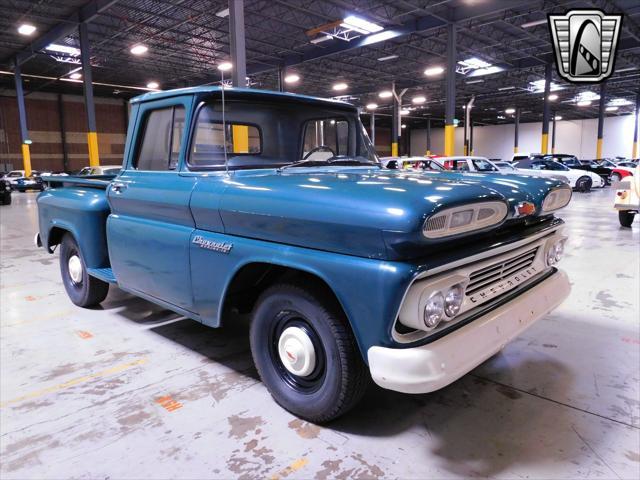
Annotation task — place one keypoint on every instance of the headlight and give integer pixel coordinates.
(559, 250)
(556, 199)
(434, 310)
(555, 251)
(551, 255)
(453, 301)
(466, 218)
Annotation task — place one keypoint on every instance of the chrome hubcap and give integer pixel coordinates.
(75, 269)
(296, 352)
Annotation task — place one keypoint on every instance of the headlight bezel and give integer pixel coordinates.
(554, 199)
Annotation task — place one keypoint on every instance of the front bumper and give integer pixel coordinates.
(433, 366)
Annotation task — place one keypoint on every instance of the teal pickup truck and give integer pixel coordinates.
(276, 205)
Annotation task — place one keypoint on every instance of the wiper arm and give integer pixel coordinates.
(301, 162)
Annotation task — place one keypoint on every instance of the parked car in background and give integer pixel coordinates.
(522, 156)
(22, 183)
(580, 180)
(622, 170)
(628, 198)
(506, 167)
(5, 192)
(469, 164)
(411, 163)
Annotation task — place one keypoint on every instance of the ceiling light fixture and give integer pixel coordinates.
(506, 88)
(388, 57)
(75, 76)
(152, 85)
(54, 47)
(584, 103)
(386, 94)
(419, 99)
(26, 29)
(340, 86)
(225, 66)
(372, 106)
(557, 117)
(553, 97)
(223, 13)
(320, 39)
(474, 63)
(403, 126)
(292, 78)
(619, 102)
(510, 111)
(404, 111)
(611, 108)
(535, 23)
(361, 25)
(139, 49)
(432, 71)
(538, 86)
(471, 82)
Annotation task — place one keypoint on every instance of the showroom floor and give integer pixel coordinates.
(134, 391)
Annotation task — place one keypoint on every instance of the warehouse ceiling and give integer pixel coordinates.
(187, 39)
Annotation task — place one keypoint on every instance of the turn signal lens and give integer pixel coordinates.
(434, 310)
(453, 301)
(459, 219)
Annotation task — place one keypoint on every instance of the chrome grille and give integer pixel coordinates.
(436, 223)
(499, 271)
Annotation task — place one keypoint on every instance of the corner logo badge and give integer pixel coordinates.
(585, 44)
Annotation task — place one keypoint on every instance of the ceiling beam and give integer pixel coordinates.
(84, 14)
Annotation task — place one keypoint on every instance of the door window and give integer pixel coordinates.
(325, 138)
(159, 148)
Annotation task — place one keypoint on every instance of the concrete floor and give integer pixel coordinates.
(133, 391)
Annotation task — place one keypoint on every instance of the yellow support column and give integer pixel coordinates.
(515, 149)
(599, 148)
(92, 141)
(544, 147)
(428, 153)
(449, 140)
(26, 160)
(394, 149)
(634, 150)
(240, 134)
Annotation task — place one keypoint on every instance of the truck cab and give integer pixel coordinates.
(276, 205)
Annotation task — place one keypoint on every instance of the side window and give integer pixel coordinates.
(159, 148)
(460, 165)
(207, 148)
(325, 138)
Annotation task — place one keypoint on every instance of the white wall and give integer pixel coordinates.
(574, 136)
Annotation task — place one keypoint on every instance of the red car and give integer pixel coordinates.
(622, 169)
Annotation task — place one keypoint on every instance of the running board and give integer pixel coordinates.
(104, 274)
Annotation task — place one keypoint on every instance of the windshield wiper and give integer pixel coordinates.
(302, 162)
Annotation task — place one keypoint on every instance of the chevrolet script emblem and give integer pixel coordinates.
(585, 43)
(222, 247)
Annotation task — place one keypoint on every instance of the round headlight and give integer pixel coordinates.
(453, 301)
(559, 250)
(434, 310)
(551, 255)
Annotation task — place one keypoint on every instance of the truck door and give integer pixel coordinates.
(150, 225)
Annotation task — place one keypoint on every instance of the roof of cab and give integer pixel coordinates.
(235, 92)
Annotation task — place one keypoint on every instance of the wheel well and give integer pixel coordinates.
(254, 278)
(55, 236)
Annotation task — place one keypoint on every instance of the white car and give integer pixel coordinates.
(19, 181)
(468, 163)
(100, 170)
(581, 180)
(411, 163)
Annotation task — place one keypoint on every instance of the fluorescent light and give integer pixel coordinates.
(292, 78)
(152, 85)
(619, 102)
(321, 39)
(223, 13)
(386, 94)
(470, 82)
(486, 71)
(388, 57)
(225, 66)
(340, 86)
(419, 99)
(360, 24)
(26, 29)
(538, 86)
(75, 76)
(139, 49)
(553, 97)
(432, 71)
(506, 88)
(474, 63)
(611, 108)
(587, 96)
(510, 111)
(54, 47)
(557, 117)
(626, 69)
(534, 23)
(372, 106)
(584, 103)
(404, 111)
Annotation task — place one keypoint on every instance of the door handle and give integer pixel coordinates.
(118, 187)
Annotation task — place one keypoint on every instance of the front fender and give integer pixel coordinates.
(82, 212)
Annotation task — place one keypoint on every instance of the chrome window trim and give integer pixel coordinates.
(500, 211)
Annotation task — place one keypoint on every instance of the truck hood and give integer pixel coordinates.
(361, 211)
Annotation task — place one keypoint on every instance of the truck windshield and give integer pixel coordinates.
(278, 134)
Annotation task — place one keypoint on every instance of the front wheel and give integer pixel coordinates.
(83, 289)
(583, 184)
(306, 354)
(626, 218)
(615, 177)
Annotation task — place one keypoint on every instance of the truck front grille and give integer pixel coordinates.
(484, 277)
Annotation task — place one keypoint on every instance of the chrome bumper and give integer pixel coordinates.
(433, 366)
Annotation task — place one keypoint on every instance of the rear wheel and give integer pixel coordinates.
(306, 354)
(83, 289)
(583, 184)
(626, 218)
(615, 177)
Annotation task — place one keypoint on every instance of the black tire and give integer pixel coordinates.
(583, 184)
(626, 218)
(22, 190)
(6, 200)
(615, 177)
(339, 378)
(89, 291)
